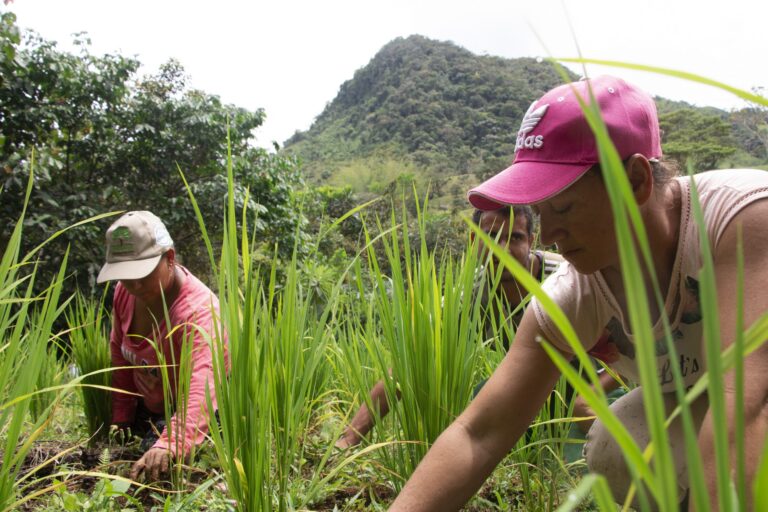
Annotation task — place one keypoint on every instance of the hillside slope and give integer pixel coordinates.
(440, 115)
(430, 103)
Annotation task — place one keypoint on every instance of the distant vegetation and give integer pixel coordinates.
(430, 102)
(423, 114)
(105, 139)
(448, 118)
(428, 109)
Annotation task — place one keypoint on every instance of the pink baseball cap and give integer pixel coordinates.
(555, 145)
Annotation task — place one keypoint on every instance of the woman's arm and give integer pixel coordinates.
(755, 246)
(468, 451)
(189, 426)
(123, 405)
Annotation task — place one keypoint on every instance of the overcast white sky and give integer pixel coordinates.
(290, 56)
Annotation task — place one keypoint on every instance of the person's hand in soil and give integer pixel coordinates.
(582, 410)
(154, 463)
(347, 441)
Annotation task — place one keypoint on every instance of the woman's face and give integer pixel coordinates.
(151, 288)
(516, 240)
(579, 221)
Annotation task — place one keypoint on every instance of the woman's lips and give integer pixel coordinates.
(569, 253)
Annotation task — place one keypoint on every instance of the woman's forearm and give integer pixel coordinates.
(453, 470)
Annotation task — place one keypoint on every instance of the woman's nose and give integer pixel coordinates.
(551, 230)
(131, 284)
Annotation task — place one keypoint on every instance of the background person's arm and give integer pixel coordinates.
(755, 246)
(467, 452)
(363, 421)
(188, 427)
(582, 410)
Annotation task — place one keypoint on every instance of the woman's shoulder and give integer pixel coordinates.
(579, 297)
(724, 193)
(194, 295)
(734, 180)
(564, 281)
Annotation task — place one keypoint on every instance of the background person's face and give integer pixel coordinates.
(148, 288)
(513, 236)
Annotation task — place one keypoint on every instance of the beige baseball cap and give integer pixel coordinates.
(135, 244)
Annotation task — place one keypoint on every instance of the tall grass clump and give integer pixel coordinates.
(424, 329)
(53, 373)
(23, 352)
(268, 356)
(90, 352)
(652, 468)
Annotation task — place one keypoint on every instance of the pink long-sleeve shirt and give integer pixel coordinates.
(192, 310)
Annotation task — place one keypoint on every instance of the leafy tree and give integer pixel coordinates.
(751, 127)
(62, 105)
(106, 140)
(695, 138)
(323, 206)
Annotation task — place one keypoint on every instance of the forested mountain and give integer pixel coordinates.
(437, 112)
(432, 103)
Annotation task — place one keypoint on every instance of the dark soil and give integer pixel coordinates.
(60, 457)
(339, 499)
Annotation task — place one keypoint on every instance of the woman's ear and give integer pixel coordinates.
(640, 176)
(170, 256)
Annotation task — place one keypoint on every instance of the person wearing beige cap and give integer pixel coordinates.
(142, 258)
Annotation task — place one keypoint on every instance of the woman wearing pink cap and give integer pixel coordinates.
(141, 257)
(556, 170)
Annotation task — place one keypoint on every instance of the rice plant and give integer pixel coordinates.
(268, 356)
(89, 344)
(53, 373)
(22, 355)
(424, 325)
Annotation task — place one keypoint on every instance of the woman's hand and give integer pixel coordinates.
(582, 410)
(155, 462)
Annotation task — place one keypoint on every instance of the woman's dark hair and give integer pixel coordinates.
(517, 210)
(663, 170)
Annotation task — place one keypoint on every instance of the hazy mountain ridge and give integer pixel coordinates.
(433, 103)
(445, 113)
